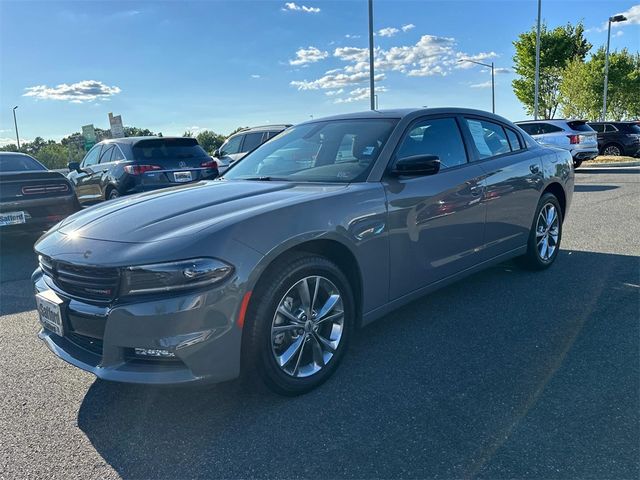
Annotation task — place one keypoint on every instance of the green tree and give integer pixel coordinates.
(583, 83)
(53, 155)
(188, 134)
(237, 130)
(138, 132)
(557, 48)
(210, 140)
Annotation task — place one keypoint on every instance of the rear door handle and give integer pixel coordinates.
(534, 168)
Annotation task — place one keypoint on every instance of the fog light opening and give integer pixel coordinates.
(154, 352)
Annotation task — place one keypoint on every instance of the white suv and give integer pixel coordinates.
(573, 135)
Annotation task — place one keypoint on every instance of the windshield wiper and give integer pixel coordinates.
(265, 179)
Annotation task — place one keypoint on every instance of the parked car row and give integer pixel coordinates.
(270, 269)
(586, 140)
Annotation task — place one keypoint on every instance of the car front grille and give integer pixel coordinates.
(85, 282)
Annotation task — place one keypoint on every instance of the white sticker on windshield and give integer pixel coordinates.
(368, 150)
(477, 132)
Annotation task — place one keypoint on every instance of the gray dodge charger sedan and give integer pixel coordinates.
(270, 270)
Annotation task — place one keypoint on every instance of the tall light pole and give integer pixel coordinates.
(371, 82)
(493, 80)
(537, 80)
(15, 122)
(614, 19)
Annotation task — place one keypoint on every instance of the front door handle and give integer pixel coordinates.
(534, 168)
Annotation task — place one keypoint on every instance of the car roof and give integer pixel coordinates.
(133, 140)
(551, 120)
(613, 122)
(409, 112)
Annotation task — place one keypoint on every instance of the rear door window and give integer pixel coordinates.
(489, 138)
(598, 127)
(610, 128)
(116, 154)
(251, 141)
(105, 156)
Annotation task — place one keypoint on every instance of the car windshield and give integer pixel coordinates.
(340, 151)
(19, 163)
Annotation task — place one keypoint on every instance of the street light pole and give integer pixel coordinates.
(15, 122)
(537, 80)
(371, 82)
(616, 18)
(493, 79)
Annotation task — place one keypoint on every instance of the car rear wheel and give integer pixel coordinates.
(612, 150)
(545, 234)
(113, 194)
(299, 324)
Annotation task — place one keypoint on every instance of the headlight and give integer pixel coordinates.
(167, 277)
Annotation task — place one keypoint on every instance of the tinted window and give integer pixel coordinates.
(92, 157)
(530, 128)
(19, 163)
(251, 141)
(548, 128)
(579, 126)
(116, 154)
(105, 156)
(598, 127)
(629, 128)
(489, 138)
(610, 128)
(231, 146)
(440, 137)
(315, 152)
(159, 150)
(272, 134)
(514, 141)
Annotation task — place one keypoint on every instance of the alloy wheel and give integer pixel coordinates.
(307, 326)
(612, 151)
(547, 231)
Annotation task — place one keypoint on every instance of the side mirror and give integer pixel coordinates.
(417, 165)
(74, 166)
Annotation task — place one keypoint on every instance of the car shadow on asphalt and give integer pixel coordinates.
(17, 263)
(594, 188)
(508, 373)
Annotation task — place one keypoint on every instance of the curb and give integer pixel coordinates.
(614, 164)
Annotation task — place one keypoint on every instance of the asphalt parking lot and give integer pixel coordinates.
(507, 374)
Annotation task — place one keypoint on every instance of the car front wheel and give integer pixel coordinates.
(545, 234)
(299, 324)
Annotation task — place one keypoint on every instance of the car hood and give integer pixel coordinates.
(185, 210)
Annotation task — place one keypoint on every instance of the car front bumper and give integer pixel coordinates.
(198, 328)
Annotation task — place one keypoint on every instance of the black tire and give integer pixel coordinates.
(612, 150)
(576, 163)
(259, 362)
(533, 260)
(113, 193)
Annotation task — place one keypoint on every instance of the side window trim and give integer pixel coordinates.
(95, 147)
(105, 151)
(412, 125)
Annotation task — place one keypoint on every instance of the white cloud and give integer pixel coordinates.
(429, 56)
(478, 57)
(334, 81)
(348, 35)
(486, 84)
(357, 94)
(255, 75)
(333, 93)
(308, 55)
(500, 70)
(407, 27)
(293, 7)
(388, 32)
(619, 33)
(84, 91)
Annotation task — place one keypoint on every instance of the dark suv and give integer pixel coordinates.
(136, 164)
(618, 138)
(239, 144)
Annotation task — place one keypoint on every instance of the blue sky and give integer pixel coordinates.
(176, 66)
